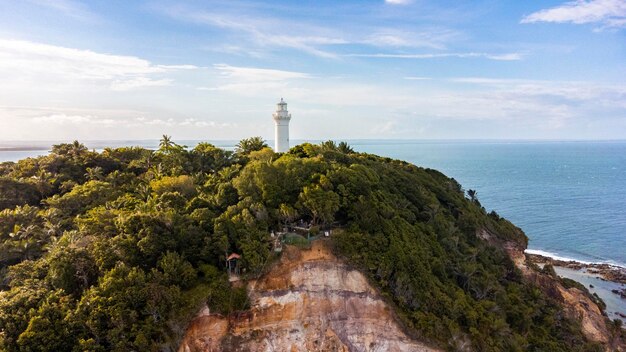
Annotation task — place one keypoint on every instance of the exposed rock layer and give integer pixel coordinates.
(576, 304)
(310, 301)
(606, 271)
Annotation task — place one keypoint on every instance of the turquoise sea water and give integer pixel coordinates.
(569, 197)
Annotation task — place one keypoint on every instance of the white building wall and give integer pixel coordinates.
(281, 136)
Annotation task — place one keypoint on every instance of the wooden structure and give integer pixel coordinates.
(232, 264)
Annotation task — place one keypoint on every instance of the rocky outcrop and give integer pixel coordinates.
(606, 271)
(576, 303)
(309, 301)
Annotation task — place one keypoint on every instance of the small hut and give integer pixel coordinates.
(232, 263)
(278, 244)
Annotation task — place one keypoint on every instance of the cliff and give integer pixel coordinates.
(575, 303)
(309, 301)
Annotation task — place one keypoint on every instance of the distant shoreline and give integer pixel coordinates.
(561, 259)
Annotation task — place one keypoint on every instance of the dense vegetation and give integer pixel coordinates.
(114, 251)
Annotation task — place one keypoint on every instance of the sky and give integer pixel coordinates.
(351, 69)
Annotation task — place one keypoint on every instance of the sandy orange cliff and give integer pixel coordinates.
(309, 301)
(312, 301)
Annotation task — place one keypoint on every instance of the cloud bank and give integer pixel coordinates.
(608, 13)
(26, 59)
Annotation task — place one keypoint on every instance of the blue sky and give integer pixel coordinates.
(348, 69)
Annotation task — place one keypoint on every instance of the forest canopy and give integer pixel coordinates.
(117, 250)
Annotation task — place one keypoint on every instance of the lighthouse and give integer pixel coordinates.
(281, 119)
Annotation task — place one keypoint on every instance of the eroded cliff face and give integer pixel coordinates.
(309, 301)
(575, 302)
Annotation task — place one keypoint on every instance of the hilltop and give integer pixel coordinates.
(119, 250)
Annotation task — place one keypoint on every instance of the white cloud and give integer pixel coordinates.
(258, 74)
(112, 119)
(488, 81)
(251, 81)
(54, 64)
(609, 13)
(266, 31)
(63, 119)
(307, 44)
(258, 34)
(490, 99)
(497, 57)
(139, 82)
(398, 2)
(505, 57)
(203, 123)
(568, 90)
(385, 39)
(387, 127)
(434, 38)
(36, 57)
(413, 103)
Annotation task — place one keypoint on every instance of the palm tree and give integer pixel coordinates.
(345, 148)
(472, 194)
(329, 145)
(116, 178)
(247, 145)
(77, 149)
(143, 191)
(166, 143)
(157, 170)
(148, 159)
(53, 229)
(94, 173)
(30, 241)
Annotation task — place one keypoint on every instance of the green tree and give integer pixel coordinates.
(14, 193)
(123, 260)
(166, 144)
(48, 330)
(95, 173)
(345, 148)
(28, 242)
(287, 213)
(248, 145)
(176, 270)
(182, 184)
(71, 270)
(74, 150)
(472, 194)
(320, 203)
(209, 158)
(329, 145)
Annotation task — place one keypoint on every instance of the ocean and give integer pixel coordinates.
(568, 197)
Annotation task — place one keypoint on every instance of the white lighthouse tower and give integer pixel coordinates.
(281, 118)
